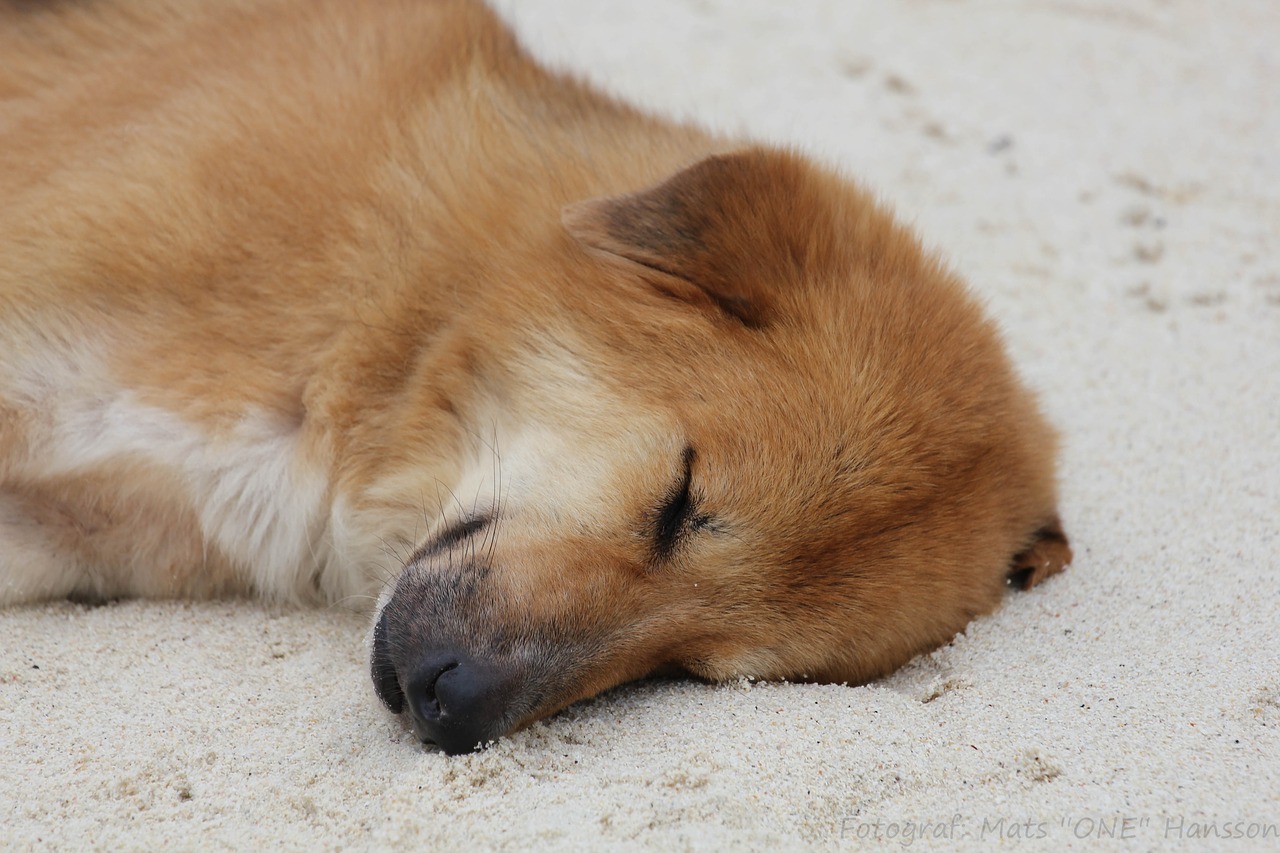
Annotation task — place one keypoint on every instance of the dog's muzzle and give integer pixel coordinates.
(455, 701)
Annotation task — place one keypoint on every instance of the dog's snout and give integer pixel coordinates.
(456, 702)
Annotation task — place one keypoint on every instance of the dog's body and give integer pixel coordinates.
(315, 299)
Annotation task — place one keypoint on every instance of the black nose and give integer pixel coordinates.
(456, 701)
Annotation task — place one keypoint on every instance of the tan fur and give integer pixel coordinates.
(291, 288)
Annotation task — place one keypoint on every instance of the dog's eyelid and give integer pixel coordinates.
(452, 535)
(677, 512)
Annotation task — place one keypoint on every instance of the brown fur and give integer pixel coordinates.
(284, 284)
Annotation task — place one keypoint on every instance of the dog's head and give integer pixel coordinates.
(746, 427)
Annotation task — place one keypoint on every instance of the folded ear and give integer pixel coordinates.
(1046, 555)
(729, 230)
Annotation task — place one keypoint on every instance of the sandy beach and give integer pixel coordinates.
(1107, 178)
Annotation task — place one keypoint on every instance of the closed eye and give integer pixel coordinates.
(455, 534)
(677, 513)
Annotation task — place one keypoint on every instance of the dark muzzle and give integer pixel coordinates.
(455, 701)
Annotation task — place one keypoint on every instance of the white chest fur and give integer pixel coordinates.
(110, 495)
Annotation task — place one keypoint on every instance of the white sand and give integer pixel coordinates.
(1108, 176)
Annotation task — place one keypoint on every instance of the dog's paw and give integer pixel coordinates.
(1048, 554)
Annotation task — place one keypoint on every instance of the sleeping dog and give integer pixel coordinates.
(289, 286)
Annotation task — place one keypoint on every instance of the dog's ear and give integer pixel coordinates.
(1047, 554)
(727, 232)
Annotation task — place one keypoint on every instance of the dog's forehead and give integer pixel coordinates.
(590, 438)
